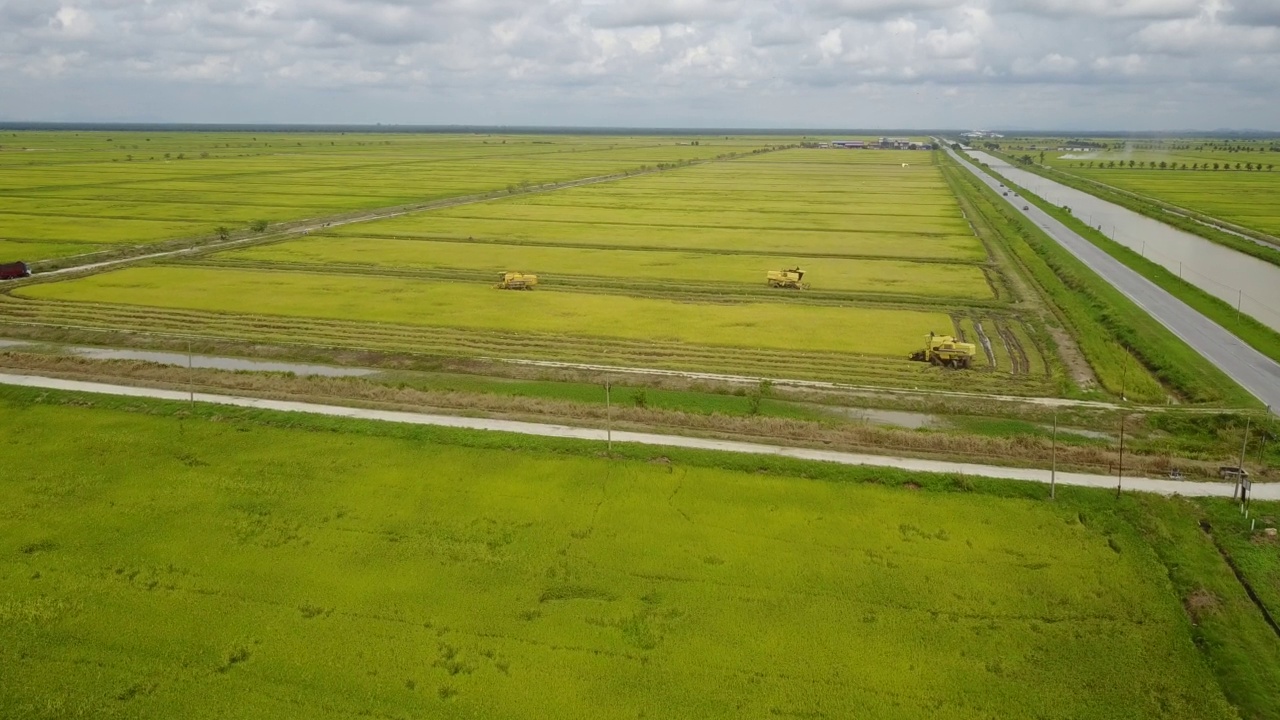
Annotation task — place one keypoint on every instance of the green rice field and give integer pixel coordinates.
(664, 270)
(259, 571)
(64, 194)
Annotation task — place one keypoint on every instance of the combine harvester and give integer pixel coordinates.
(14, 271)
(946, 351)
(790, 279)
(517, 281)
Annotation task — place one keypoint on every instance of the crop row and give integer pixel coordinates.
(764, 362)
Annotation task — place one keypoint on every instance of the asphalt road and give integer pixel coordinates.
(1255, 372)
(1151, 485)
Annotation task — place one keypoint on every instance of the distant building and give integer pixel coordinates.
(849, 144)
(895, 143)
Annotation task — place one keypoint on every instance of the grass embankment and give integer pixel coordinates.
(1108, 326)
(1258, 335)
(281, 564)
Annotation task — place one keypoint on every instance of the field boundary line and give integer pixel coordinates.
(1131, 484)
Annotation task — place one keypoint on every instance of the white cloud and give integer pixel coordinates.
(626, 62)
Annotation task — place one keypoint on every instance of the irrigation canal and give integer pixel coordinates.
(1255, 372)
(1238, 279)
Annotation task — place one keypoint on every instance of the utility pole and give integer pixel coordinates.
(1240, 467)
(191, 393)
(1053, 469)
(1239, 302)
(608, 405)
(1120, 474)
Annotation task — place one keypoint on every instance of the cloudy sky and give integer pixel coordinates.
(1037, 64)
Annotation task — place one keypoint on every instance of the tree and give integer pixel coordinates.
(1132, 163)
(223, 232)
(1237, 166)
(1163, 165)
(1215, 166)
(1269, 167)
(1041, 157)
(1248, 166)
(258, 226)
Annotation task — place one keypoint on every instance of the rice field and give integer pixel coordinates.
(65, 194)
(662, 270)
(871, 331)
(567, 265)
(264, 572)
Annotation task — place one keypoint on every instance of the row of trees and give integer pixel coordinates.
(1165, 165)
(224, 233)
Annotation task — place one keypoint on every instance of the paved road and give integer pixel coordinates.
(1234, 277)
(1255, 372)
(1162, 487)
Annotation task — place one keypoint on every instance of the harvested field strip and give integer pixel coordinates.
(1016, 357)
(456, 305)
(999, 348)
(983, 359)
(384, 337)
(1035, 363)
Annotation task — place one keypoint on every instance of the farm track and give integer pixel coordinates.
(1131, 484)
(436, 341)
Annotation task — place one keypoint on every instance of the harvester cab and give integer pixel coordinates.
(946, 351)
(787, 279)
(517, 281)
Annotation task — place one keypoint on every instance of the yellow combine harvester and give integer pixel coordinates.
(946, 351)
(786, 279)
(517, 281)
